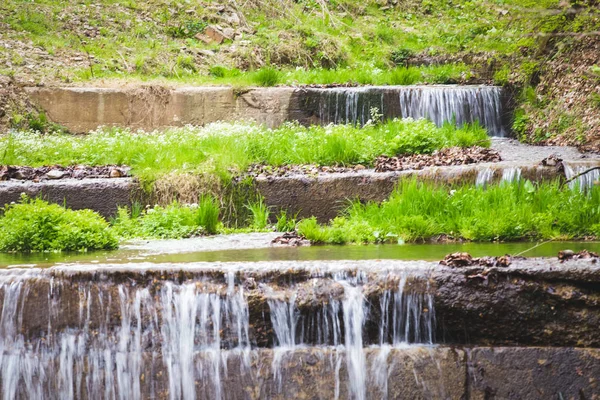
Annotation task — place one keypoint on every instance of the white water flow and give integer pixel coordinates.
(511, 175)
(198, 338)
(484, 177)
(439, 103)
(584, 181)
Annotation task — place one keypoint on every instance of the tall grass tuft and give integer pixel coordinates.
(259, 214)
(207, 214)
(267, 76)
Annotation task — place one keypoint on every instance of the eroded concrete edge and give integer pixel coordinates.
(322, 196)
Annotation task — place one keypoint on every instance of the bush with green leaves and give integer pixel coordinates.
(36, 225)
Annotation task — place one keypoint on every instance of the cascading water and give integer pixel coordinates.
(201, 336)
(511, 175)
(585, 180)
(484, 177)
(440, 104)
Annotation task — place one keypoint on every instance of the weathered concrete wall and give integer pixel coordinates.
(538, 302)
(322, 196)
(83, 109)
(103, 195)
(325, 195)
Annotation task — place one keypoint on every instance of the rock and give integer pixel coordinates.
(233, 19)
(203, 38)
(206, 53)
(552, 160)
(291, 239)
(359, 167)
(55, 174)
(228, 33)
(444, 157)
(216, 35)
(565, 255)
(115, 173)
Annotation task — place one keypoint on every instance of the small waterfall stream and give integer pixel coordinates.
(203, 337)
(583, 181)
(438, 103)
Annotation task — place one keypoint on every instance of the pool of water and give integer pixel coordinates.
(427, 252)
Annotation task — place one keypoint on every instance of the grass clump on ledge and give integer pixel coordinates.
(36, 225)
(420, 211)
(225, 149)
(174, 221)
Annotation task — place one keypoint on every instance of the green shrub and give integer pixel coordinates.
(401, 56)
(36, 225)
(267, 76)
(218, 71)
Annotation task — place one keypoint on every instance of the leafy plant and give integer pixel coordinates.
(401, 56)
(36, 225)
(286, 223)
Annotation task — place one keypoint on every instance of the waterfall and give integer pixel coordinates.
(584, 181)
(201, 337)
(440, 104)
(510, 175)
(484, 177)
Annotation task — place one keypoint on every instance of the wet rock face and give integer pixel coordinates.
(524, 304)
(533, 373)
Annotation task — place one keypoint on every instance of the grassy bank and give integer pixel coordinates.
(420, 212)
(224, 150)
(414, 212)
(165, 39)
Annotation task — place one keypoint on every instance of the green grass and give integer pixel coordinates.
(159, 38)
(267, 77)
(414, 212)
(224, 149)
(259, 214)
(174, 221)
(419, 212)
(35, 225)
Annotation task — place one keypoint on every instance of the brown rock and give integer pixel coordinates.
(215, 34)
(203, 38)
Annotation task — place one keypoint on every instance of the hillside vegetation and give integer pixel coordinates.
(545, 51)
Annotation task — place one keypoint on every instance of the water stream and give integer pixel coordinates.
(201, 337)
(438, 103)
